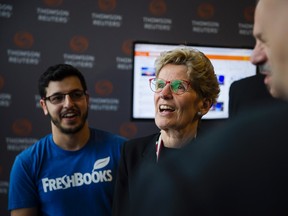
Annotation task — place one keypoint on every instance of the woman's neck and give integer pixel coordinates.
(176, 139)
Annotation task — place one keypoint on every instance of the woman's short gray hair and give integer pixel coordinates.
(199, 69)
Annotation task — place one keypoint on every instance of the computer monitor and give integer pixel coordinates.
(230, 64)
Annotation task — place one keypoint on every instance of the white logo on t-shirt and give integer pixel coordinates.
(78, 179)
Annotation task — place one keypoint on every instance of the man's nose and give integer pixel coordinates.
(68, 101)
(258, 55)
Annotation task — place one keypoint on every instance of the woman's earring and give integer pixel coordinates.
(199, 113)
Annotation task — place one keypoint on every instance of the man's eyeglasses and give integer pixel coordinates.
(60, 98)
(176, 86)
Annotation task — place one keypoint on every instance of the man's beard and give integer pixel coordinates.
(74, 130)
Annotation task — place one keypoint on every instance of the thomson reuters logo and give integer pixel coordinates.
(1, 82)
(128, 129)
(249, 13)
(157, 7)
(22, 127)
(127, 47)
(107, 5)
(53, 3)
(80, 179)
(23, 39)
(205, 11)
(103, 87)
(79, 44)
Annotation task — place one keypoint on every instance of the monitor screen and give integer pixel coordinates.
(230, 64)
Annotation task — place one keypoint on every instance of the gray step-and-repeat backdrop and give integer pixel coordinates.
(96, 36)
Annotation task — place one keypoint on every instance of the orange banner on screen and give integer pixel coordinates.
(217, 57)
(143, 53)
(226, 57)
(138, 53)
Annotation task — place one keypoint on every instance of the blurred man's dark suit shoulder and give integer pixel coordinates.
(238, 169)
(248, 93)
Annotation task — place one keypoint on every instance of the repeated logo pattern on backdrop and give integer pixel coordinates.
(96, 36)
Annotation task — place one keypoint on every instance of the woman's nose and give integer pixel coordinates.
(166, 91)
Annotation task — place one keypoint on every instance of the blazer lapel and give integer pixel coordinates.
(149, 152)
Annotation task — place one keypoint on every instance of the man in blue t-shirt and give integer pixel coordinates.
(71, 171)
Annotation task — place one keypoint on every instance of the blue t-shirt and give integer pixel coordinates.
(61, 182)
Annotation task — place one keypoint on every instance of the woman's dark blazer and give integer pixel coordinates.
(135, 153)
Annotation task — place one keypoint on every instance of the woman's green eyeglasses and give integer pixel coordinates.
(177, 86)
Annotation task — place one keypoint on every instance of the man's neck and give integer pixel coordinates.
(71, 142)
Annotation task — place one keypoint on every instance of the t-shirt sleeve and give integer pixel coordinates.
(22, 187)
